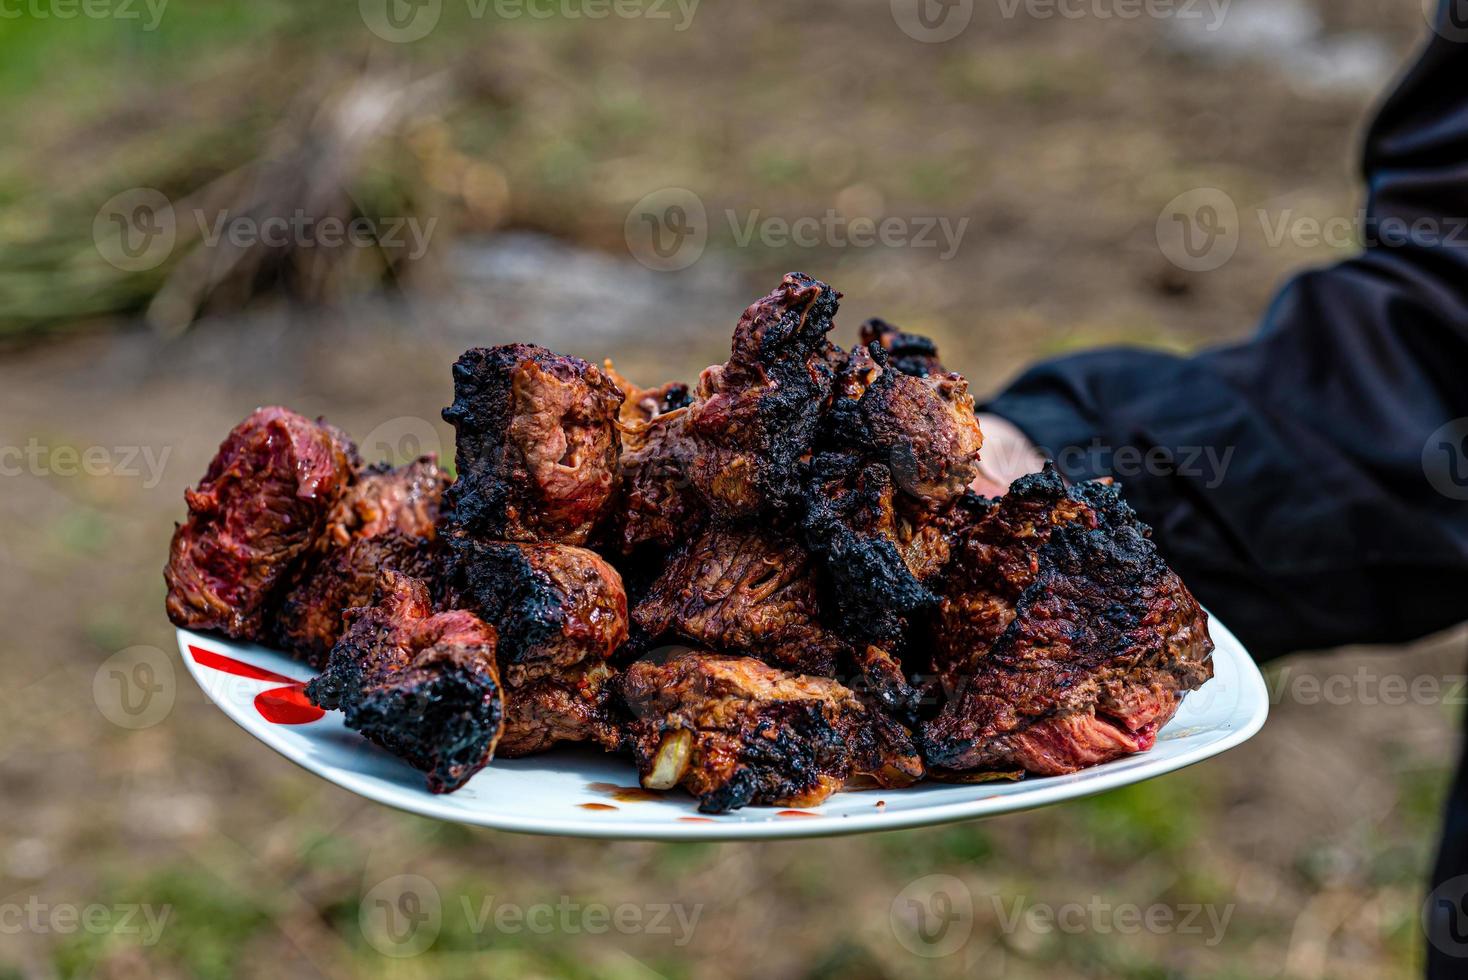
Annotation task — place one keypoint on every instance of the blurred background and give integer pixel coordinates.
(207, 206)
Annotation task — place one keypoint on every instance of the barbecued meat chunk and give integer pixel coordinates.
(383, 523)
(909, 353)
(1065, 638)
(263, 501)
(735, 731)
(645, 404)
(659, 504)
(576, 704)
(742, 589)
(423, 686)
(922, 428)
(756, 415)
(561, 613)
(537, 446)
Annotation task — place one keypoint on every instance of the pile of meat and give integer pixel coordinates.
(760, 588)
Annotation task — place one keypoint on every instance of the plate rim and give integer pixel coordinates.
(1253, 692)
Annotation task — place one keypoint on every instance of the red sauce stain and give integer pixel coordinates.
(796, 813)
(596, 806)
(698, 819)
(287, 706)
(881, 804)
(625, 794)
(237, 667)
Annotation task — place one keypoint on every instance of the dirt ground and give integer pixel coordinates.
(1062, 140)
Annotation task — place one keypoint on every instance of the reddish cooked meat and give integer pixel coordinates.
(756, 415)
(383, 523)
(575, 704)
(735, 731)
(537, 446)
(1064, 637)
(659, 505)
(561, 613)
(743, 589)
(423, 686)
(909, 353)
(263, 501)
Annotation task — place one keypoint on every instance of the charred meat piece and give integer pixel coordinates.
(561, 614)
(383, 523)
(642, 405)
(922, 428)
(909, 353)
(659, 504)
(423, 686)
(742, 589)
(1066, 639)
(574, 705)
(263, 501)
(756, 415)
(735, 731)
(537, 446)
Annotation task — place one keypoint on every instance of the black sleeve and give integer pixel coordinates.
(1310, 484)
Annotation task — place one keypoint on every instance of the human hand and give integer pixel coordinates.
(1008, 455)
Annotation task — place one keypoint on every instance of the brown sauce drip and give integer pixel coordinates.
(596, 806)
(625, 794)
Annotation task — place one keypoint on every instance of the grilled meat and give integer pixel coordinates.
(561, 613)
(423, 686)
(735, 731)
(383, 523)
(756, 415)
(909, 353)
(642, 405)
(263, 501)
(576, 704)
(1065, 638)
(659, 505)
(537, 446)
(742, 589)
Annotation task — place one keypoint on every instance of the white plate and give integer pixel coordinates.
(548, 794)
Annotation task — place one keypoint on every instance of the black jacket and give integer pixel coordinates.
(1311, 484)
